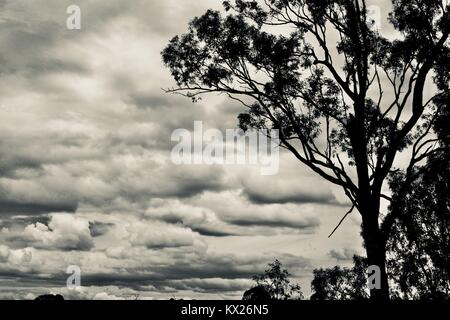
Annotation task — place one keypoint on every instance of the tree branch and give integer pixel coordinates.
(342, 220)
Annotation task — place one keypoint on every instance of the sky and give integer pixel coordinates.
(86, 177)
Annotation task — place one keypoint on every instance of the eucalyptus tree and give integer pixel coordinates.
(345, 99)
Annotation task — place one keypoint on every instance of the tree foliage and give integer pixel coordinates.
(341, 283)
(419, 248)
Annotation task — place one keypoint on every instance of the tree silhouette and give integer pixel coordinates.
(345, 100)
(419, 249)
(50, 297)
(341, 283)
(273, 284)
(257, 293)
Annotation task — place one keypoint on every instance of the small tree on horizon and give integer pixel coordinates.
(275, 282)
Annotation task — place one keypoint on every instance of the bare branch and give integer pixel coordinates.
(342, 220)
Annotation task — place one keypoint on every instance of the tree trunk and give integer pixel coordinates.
(376, 251)
(368, 200)
(376, 256)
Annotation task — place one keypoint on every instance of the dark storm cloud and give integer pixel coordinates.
(305, 224)
(194, 186)
(209, 232)
(9, 165)
(33, 278)
(290, 197)
(33, 208)
(283, 189)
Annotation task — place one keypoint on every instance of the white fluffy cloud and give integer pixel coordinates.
(64, 232)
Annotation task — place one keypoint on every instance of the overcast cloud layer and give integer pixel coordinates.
(86, 177)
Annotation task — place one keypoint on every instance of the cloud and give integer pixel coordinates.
(207, 216)
(149, 273)
(275, 221)
(64, 232)
(106, 296)
(282, 189)
(343, 255)
(89, 143)
(98, 229)
(152, 234)
(13, 207)
(199, 219)
(148, 257)
(100, 182)
(258, 219)
(193, 271)
(211, 285)
(4, 253)
(85, 171)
